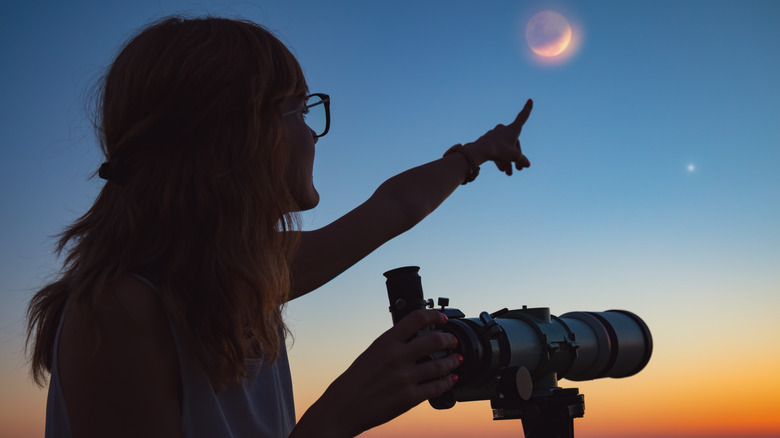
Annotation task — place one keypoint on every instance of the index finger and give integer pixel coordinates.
(416, 321)
(523, 115)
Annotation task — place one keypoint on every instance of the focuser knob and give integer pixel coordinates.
(490, 326)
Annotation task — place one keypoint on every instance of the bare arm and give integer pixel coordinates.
(396, 206)
(399, 204)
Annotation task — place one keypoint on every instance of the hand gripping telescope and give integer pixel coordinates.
(514, 358)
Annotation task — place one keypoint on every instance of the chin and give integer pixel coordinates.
(310, 201)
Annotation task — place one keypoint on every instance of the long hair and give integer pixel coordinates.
(199, 201)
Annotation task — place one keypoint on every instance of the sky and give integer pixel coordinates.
(653, 186)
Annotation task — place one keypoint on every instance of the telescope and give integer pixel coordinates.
(514, 358)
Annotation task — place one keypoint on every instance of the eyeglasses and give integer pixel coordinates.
(316, 113)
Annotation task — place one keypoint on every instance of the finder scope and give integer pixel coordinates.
(516, 357)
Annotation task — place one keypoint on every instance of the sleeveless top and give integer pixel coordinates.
(260, 406)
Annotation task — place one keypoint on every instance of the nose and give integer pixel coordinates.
(314, 135)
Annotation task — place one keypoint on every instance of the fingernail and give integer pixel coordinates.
(454, 378)
(460, 358)
(445, 318)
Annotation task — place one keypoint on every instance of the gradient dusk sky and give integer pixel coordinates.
(654, 186)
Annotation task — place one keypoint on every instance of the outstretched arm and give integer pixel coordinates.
(398, 204)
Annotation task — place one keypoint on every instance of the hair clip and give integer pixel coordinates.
(111, 171)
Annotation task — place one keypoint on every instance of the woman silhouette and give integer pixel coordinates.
(167, 317)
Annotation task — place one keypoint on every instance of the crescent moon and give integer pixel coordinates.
(548, 34)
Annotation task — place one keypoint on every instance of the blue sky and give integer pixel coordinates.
(609, 214)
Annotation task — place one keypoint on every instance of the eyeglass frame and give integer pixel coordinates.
(325, 100)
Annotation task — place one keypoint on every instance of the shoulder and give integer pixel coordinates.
(127, 317)
(118, 363)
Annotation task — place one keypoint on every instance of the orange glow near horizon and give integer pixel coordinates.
(682, 393)
(714, 384)
(718, 384)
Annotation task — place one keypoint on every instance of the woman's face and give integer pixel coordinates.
(301, 142)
